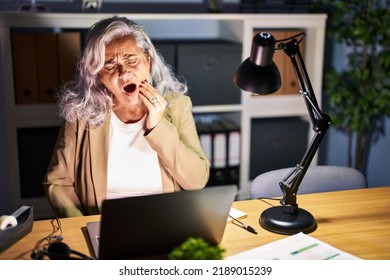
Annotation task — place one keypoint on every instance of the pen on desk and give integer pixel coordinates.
(245, 226)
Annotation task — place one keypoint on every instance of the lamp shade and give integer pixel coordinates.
(258, 73)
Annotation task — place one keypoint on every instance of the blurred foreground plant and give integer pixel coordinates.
(196, 249)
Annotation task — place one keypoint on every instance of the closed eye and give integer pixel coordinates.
(110, 68)
(131, 62)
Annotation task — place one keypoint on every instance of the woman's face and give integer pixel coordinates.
(125, 67)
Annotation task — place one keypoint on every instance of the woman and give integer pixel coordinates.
(128, 128)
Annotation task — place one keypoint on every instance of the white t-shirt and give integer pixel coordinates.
(133, 167)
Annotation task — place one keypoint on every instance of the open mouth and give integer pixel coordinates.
(130, 88)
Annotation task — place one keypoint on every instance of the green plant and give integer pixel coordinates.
(196, 249)
(359, 95)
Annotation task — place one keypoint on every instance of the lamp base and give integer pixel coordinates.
(279, 219)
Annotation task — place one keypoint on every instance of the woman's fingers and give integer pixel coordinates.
(154, 103)
(152, 95)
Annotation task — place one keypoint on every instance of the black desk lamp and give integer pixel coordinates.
(259, 74)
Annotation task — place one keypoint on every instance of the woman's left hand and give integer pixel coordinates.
(154, 103)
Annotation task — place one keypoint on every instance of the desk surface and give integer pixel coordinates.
(355, 221)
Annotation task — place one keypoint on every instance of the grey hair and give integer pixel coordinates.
(85, 97)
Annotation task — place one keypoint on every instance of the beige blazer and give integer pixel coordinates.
(75, 183)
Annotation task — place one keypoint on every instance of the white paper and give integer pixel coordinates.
(299, 246)
(237, 214)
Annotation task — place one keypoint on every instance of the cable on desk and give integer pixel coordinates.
(263, 199)
(52, 236)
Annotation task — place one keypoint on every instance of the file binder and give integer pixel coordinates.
(42, 61)
(220, 140)
(69, 46)
(219, 155)
(46, 46)
(25, 71)
(233, 150)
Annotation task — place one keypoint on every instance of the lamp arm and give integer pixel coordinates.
(320, 124)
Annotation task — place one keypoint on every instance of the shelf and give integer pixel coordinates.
(236, 28)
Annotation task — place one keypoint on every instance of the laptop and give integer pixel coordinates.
(149, 227)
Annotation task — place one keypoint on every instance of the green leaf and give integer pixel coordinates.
(196, 249)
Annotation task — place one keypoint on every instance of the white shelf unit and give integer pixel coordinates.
(233, 27)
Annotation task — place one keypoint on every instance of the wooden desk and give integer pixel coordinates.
(355, 221)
